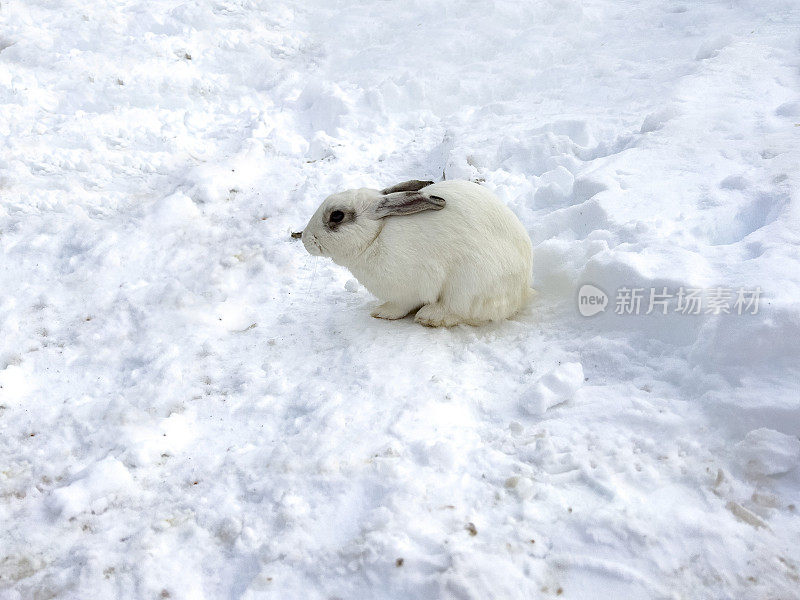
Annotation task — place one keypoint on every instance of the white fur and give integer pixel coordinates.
(469, 262)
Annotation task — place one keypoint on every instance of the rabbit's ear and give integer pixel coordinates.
(403, 203)
(413, 185)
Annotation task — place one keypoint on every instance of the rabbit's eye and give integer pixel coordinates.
(336, 216)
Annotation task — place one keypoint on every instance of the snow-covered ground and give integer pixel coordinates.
(192, 407)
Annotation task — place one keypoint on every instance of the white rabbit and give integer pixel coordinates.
(450, 249)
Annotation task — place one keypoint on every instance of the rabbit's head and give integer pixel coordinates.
(348, 222)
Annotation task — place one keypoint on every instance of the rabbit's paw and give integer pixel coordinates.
(436, 315)
(391, 311)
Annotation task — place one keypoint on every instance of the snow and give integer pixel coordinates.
(557, 386)
(767, 452)
(91, 489)
(193, 407)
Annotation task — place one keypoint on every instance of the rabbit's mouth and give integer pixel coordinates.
(312, 245)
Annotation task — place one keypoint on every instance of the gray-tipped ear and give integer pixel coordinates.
(412, 185)
(404, 203)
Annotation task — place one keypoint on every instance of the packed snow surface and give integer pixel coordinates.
(192, 407)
